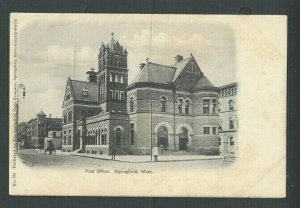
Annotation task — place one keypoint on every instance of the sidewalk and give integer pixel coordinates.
(146, 158)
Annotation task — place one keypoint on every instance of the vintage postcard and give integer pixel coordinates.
(148, 105)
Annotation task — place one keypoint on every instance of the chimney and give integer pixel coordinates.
(142, 65)
(92, 76)
(178, 58)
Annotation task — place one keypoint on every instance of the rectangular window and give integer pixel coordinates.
(214, 106)
(206, 106)
(206, 130)
(122, 95)
(117, 94)
(111, 94)
(214, 130)
(85, 93)
(113, 77)
(131, 133)
(116, 77)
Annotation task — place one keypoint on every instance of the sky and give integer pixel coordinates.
(46, 44)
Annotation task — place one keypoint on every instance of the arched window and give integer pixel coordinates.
(231, 103)
(132, 133)
(231, 141)
(163, 101)
(180, 102)
(94, 138)
(121, 79)
(103, 136)
(187, 107)
(65, 118)
(131, 104)
(111, 77)
(69, 140)
(118, 136)
(231, 123)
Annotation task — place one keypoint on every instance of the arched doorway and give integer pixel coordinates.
(231, 145)
(77, 140)
(162, 137)
(183, 138)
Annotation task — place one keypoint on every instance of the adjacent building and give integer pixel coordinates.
(40, 126)
(174, 107)
(228, 116)
(55, 138)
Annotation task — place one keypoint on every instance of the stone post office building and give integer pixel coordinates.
(174, 107)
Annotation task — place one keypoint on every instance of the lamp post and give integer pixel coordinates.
(150, 130)
(19, 87)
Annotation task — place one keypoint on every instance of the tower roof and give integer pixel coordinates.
(41, 113)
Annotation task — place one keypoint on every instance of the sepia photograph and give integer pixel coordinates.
(147, 105)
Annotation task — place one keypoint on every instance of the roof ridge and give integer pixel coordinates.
(83, 81)
(162, 65)
(173, 65)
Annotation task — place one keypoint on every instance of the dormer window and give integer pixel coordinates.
(84, 91)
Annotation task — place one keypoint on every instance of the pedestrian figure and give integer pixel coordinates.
(155, 153)
(161, 148)
(51, 147)
(114, 151)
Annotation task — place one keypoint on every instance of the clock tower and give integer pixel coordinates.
(112, 77)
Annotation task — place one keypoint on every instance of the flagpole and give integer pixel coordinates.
(74, 63)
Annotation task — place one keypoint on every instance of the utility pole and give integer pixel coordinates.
(174, 115)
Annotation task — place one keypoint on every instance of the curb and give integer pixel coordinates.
(221, 158)
(27, 163)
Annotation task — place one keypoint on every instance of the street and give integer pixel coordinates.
(36, 158)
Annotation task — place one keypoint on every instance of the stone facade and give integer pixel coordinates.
(173, 107)
(228, 115)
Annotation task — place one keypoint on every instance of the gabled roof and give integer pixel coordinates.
(180, 67)
(155, 73)
(77, 89)
(204, 84)
(162, 74)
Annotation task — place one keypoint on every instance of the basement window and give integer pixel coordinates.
(85, 91)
